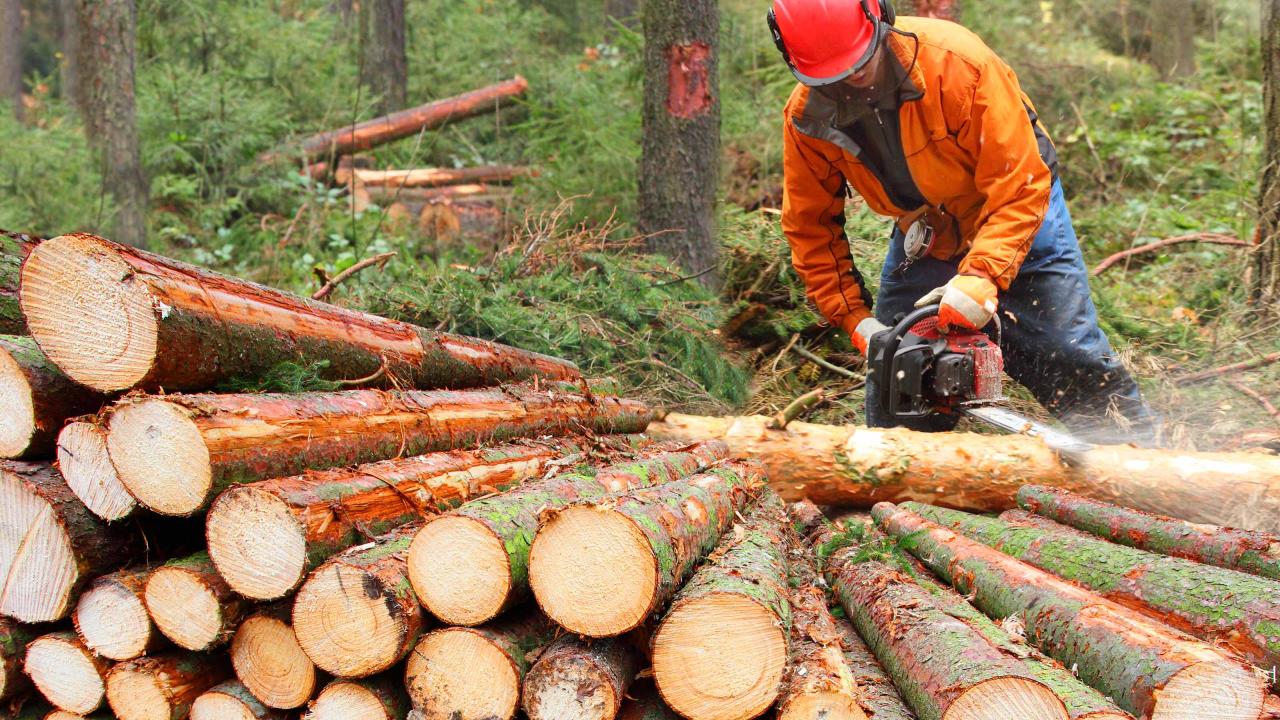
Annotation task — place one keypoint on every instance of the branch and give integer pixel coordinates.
(820, 362)
(1256, 396)
(798, 407)
(379, 260)
(1203, 375)
(1211, 238)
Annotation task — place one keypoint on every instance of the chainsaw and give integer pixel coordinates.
(921, 372)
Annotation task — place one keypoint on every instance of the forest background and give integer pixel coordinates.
(1156, 107)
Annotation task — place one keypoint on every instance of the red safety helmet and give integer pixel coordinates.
(825, 41)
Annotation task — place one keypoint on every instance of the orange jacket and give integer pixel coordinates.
(972, 151)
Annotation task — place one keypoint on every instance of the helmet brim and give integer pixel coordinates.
(837, 69)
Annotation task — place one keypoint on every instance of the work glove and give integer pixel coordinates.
(867, 329)
(968, 302)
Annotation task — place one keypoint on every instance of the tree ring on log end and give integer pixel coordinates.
(113, 621)
(827, 705)
(17, 410)
(271, 664)
(1212, 690)
(136, 695)
(88, 314)
(342, 621)
(456, 672)
(86, 466)
(65, 674)
(160, 456)
(1007, 697)
(345, 700)
(256, 542)
(719, 657)
(220, 706)
(593, 571)
(459, 570)
(184, 608)
(577, 689)
(37, 565)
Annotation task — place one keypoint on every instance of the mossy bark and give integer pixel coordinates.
(14, 248)
(1244, 550)
(14, 638)
(54, 396)
(1235, 609)
(878, 696)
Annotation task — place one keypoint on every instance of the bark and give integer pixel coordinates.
(269, 661)
(231, 696)
(356, 615)
(112, 616)
(433, 115)
(14, 248)
(673, 526)
(11, 86)
(508, 523)
(86, 465)
(66, 672)
(377, 698)
(265, 536)
(38, 400)
(857, 467)
(733, 616)
(162, 323)
(1143, 666)
(1173, 38)
(435, 177)
(1251, 552)
(69, 44)
(583, 679)
(106, 60)
(680, 152)
(1266, 284)
(179, 678)
(14, 638)
(51, 546)
(384, 66)
(879, 697)
(174, 455)
(192, 605)
(1225, 607)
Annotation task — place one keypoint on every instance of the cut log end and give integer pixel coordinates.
(160, 456)
(593, 571)
(218, 706)
(1219, 689)
(66, 673)
(87, 316)
(269, 661)
(256, 543)
(86, 465)
(459, 570)
(580, 689)
(458, 673)
(825, 705)
(719, 657)
(137, 695)
(37, 566)
(184, 608)
(113, 621)
(345, 700)
(17, 408)
(344, 623)
(1004, 698)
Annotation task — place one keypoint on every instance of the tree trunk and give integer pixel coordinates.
(856, 467)
(163, 687)
(231, 699)
(384, 66)
(37, 399)
(1266, 284)
(269, 661)
(14, 249)
(475, 672)
(680, 153)
(469, 565)
(14, 638)
(879, 697)
(720, 651)
(434, 177)
(70, 87)
(159, 323)
(175, 454)
(11, 86)
(86, 466)
(581, 679)
(112, 616)
(192, 605)
(377, 698)
(1173, 38)
(656, 536)
(356, 615)
(1251, 552)
(1225, 607)
(1168, 672)
(106, 60)
(67, 673)
(50, 545)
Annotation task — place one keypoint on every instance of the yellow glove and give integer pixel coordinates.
(968, 302)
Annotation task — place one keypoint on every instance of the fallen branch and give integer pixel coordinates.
(820, 362)
(798, 407)
(380, 260)
(1211, 238)
(1203, 375)
(1256, 396)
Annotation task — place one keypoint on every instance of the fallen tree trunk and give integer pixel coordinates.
(356, 615)
(655, 537)
(112, 616)
(230, 700)
(86, 466)
(581, 679)
(376, 698)
(857, 467)
(1225, 607)
(175, 453)
(381, 130)
(435, 177)
(36, 398)
(14, 249)
(67, 673)
(720, 651)
(14, 638)
(268, 660)
(163, 687)
(192, 605)
(265, 536)
(50, 545)
(470, 564)
(1251, 552)
(475, 672)
(1147, 668)
(878, 698)
(383, 194)
(162, 323)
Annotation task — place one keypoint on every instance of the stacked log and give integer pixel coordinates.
(163, 687)
(232, 701)
(86, 465)
(111, 616)
(191, 604)
(377, 698)
(578, 678)
(36, 399)
(14, 638)
(269, 661)
(14, 248)
(67, 673)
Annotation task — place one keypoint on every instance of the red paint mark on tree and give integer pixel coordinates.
(688, 79)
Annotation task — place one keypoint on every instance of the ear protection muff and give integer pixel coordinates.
(888, 18)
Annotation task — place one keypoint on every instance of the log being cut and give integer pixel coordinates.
(116, 318)
(376, 698)
(655, 536)
(858, 467)
(86, 466)
(67, 673)
(470, 564)
(269, 661)
(1147, 668)
(192, 605)
(231, 700)
(581, 679)
(36, 398)
(433, 177)
(175, 453)
(265, 536)
(112, 617)
(163, 687)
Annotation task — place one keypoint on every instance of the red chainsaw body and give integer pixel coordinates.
(988, 361)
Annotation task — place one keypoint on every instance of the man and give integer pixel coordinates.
(931, 128)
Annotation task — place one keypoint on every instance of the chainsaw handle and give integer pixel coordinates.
(929, 311)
